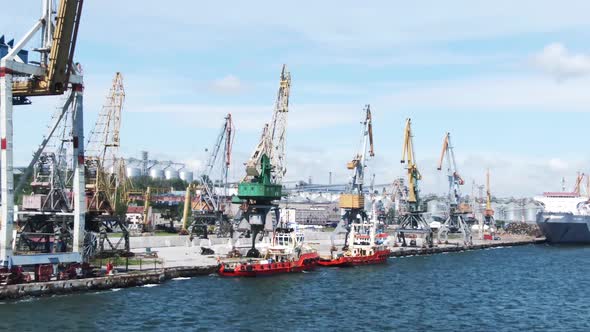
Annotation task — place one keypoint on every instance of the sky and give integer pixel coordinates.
(509, 80)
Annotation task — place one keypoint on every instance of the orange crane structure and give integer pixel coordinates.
(578, 186)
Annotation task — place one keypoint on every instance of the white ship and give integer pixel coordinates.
(565, 217)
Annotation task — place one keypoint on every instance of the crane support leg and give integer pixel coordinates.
(256, 216)
(78, 163)
(458, 222)
(6, 170)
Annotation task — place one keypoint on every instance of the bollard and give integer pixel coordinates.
(140, 264)
(126, 263)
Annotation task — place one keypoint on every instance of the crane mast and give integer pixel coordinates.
(266, 167)
(278, 127)
(456, 216)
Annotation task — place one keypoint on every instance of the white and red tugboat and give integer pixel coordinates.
(287, 254)
(366, 246)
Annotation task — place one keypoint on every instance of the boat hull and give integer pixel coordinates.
(305, 262)
(564, 227)
(380, 257)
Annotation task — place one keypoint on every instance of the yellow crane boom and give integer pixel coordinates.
(61, 53)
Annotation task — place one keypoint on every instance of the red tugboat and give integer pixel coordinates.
(367, 246)
(286, 254)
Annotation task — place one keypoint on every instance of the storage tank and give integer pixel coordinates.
(531, 212)
(156, 173)
(186, 176)
(133, 172)
(171, 174)
(510, 212)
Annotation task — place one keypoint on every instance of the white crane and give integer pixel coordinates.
(353, 201)
(210, 206)
(225, 139)
(456, 217)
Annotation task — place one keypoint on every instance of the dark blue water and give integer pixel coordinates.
(530, 288)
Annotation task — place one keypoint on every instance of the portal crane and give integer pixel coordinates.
(209, 208)
(352, 202)
(413, 221)
(53, 74)
(456, 218)
(104, 198)
(399, 196)
(262, 185)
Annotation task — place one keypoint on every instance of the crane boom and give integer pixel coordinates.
(273, 138)
(225, 139)
(354, 197)
(266, 167)
(278, 127)
(104, 139)
(358, 163)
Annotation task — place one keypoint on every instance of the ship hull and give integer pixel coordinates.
(564, 227)
(380, 257)
(305, 262)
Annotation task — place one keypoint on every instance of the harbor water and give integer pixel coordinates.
(527, 288)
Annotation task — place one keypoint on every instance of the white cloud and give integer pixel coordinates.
(229, 84)
(494, 93)
(559, 62)
(557, 164)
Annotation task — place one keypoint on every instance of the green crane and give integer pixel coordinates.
(262, 185)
